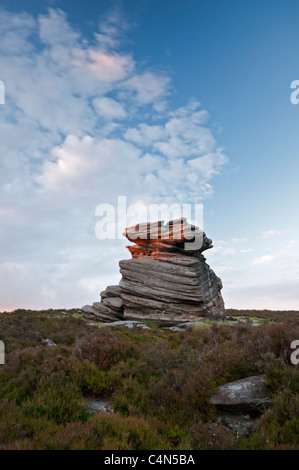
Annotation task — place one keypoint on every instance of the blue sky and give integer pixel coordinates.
(94, 92)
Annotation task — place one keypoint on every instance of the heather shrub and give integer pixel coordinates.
(26, 368)
(130, 433)
(278, 428)
(57, 399)
(102, 432)
(159, 383)
(270, 338)
(207, 436)
(104, 348)
(90, 379)
(281, 375)
(181, 396)
(23, 328)
(18, 430)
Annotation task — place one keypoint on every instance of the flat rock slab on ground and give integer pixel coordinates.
(130, 324)
(122, 324)
(48, 342)
(251, 394)
(98, 406)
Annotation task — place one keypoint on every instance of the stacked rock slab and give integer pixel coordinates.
(167, 280)
(108, 310)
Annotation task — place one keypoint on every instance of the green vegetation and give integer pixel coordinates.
(277, 316)
(158, 382)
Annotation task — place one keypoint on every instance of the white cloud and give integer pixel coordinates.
(66, 147)
(223, 269)
(91, 166)
(15, 33)
(224, 250)
(265, 259)
(54, 29)
(108, 108)
(147, 87)
(103, 66)
(273, 233)
(112, 29)
(145, 135)
(269, 281)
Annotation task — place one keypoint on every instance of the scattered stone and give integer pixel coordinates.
(130, 324)
(190, 324)
(48, 342)
(98, 406)
(240, 424)
(251, 394)
(174, 328)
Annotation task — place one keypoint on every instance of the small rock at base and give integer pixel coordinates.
(48, 342)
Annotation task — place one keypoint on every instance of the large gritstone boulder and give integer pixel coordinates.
(167, 280)
(251, 394)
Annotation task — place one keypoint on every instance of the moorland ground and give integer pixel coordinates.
(158, 382)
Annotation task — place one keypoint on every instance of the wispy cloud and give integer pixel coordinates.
(84, 122)
(273, 233)
(265, 259)
(269, 280)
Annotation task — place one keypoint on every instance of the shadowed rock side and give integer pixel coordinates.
(166, 281)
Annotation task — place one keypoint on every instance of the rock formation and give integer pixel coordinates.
(240, 403)
(167, 280)
(109, 309)
(251, 394)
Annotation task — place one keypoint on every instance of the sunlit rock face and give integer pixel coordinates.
(167, 280)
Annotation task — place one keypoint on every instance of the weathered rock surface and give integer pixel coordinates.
(167, 280)
(48, 342)
(113, 302)
(240, 423)
(130, 324)
(110, 309)
(111, 291)
(246, 395)
(98, 406)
